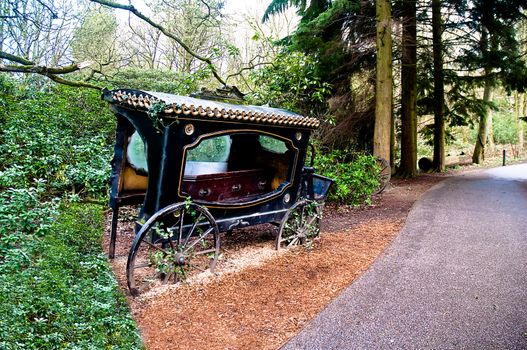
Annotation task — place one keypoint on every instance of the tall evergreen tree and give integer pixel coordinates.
(491, 55)
(383, 93)
(439, 87)
(408, 166)
(340, 35)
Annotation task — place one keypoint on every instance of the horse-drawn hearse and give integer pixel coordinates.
(202, 167)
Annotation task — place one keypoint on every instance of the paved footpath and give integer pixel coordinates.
(455, 277)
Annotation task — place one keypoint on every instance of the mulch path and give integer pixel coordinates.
(261, 298)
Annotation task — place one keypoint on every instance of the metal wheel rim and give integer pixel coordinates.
(384, 174)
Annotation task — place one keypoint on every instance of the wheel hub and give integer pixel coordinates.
(180, 259)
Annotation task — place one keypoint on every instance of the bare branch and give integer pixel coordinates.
(33, 68)
(73, 83)
(46, 72)
(208, 9)
(249, 67)
(53, 13)
(52, 73)
(14, 58)
(163, 30)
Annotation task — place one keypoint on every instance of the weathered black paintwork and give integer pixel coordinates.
(165, 146)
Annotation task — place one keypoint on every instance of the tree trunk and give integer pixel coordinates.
(1, 35)
(439, 88)
(408, 166)
(479, 150)
(522, 98)
(518, 104)
(523, 105)
(392, 143)
(491, 146)
(481, 141)
(383, 96)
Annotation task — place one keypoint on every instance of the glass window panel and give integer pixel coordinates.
(272, 144)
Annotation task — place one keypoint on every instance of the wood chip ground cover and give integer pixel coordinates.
(259, 297)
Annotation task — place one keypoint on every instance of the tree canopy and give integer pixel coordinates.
(462, 48)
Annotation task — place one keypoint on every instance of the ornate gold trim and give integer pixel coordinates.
(246, 204)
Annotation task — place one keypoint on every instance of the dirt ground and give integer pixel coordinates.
(259, 298)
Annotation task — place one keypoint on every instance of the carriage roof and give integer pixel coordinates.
(174, 106)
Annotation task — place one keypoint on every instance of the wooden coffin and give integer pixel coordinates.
(231, 186)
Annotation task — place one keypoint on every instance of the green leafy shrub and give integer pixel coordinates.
(355, 176)
(161, 80)
(56, 289)
(291, 82)
(66, 297)
(61, 135)
(24, 218)
(505, 128)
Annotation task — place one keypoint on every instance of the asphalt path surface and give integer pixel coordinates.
(454, 278)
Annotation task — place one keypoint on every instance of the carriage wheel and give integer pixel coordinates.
(384, 174)
(178, 240)
(300, 225)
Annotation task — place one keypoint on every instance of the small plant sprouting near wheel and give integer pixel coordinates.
(300, 225)
(178, 240)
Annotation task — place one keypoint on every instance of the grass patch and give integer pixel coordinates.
(66, 296)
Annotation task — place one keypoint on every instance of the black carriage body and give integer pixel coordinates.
(260, 176)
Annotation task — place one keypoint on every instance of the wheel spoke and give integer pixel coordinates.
(294, 241)
(198, 268)
(181, 220)
(212, 250)
(166, 278)
(171, 242)
(141, 266)
(285, 239)
(193, 228)
(145, 286)
(311, 220)
(156, 247)
(198, 240)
